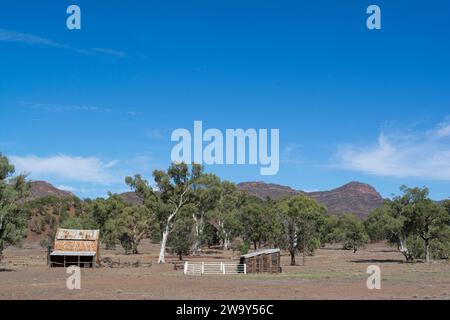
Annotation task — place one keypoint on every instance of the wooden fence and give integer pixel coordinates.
(205, 269)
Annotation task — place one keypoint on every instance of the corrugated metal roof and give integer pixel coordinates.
(74, 253)
(87, 235)
(261, 252)
(76, 245)
(77, 241)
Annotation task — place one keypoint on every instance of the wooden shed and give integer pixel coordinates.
(265, 261)
(76, 248)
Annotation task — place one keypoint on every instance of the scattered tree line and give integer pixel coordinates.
(186, 210)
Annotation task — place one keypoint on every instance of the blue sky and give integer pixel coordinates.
(84, 108)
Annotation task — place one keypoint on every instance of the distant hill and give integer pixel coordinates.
(265, 190)
(131, 198)
(42, 189)
(355, 197)
(45, 205)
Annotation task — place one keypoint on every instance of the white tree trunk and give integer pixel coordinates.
(404, 250)
(427, 251)
(224, 234)
(196, 246)
(226, 243)
(162, 253)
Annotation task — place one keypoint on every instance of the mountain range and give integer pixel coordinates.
(41, 189)
(355, 197)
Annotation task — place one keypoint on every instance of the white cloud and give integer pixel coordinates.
(31, 39)
(88, 169)
(66, 188)
(444, 131)
(55, 107)
(26, 38)
(116, 53)
(155, 134)
(290, 155)
(423, 155)
(68, 108)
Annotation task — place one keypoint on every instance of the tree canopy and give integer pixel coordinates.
(13, 218)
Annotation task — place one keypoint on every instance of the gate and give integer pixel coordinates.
(205, 269)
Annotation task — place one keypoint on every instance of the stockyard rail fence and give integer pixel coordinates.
(205, 269)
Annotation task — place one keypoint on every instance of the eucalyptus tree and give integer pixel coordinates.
(351, 230)
(225, 215)
(409, 219)
(182, 237)
(175, 191)
(206, 195)
(259, 223)
(132, 225)
(302, 219)
(13, 217)
(426, 218)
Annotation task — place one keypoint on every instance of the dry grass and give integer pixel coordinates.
(331, 274)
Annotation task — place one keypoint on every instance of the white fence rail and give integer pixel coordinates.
(204, 269)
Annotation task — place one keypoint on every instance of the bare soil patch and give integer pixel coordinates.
(331, 274)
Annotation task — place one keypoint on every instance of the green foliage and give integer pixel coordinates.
(80, 222)
(245, 248)
(206, 196)
(260, 225)
(210, 235)
(440, 247)
(382, 225)
(352, 232)
(423, 217)
(327, 234)
(182, 236)
(191, 209)
(302, 220)
(446, 206)
(119, 221)
(38, 225)
(414, 223)
(13, 217)
(6, 169)
(104, 213)
(176, 188)
(132, 225)
(226, 213)
(48, 213)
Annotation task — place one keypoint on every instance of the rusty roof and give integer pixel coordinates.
(77, 240)
(80, 235)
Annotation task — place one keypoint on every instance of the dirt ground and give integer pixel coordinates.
(331, 274)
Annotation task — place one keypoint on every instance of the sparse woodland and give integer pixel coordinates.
(186, 210)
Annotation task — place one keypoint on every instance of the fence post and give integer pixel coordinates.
(224, 268)
(203, 268)
(185, 268)
(245, 268)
